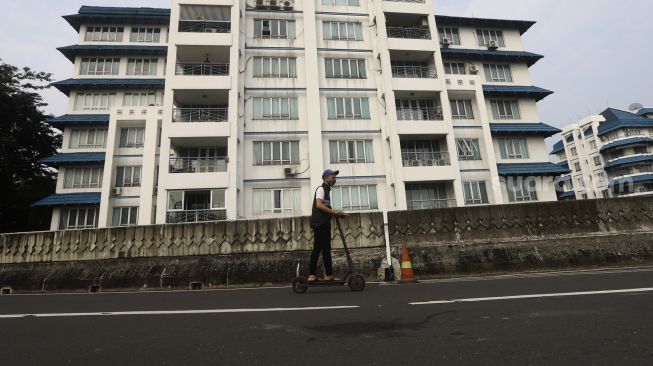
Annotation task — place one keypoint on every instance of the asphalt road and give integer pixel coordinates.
(567, 318)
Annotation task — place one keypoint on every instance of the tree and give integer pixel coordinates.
(25, 138)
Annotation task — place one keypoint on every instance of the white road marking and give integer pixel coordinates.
(533, 296)
(173, 312)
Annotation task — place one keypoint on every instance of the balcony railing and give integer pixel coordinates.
(425, 72)
(204, 26)
(419, 114)
(408, 32)
(430, 204)
(429, 158)
(193, 115)
(202, 68)
(173, 217)
(198, 165)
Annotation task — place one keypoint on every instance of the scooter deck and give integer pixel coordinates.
(326, 283)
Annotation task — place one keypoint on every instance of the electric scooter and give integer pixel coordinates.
(356, 282)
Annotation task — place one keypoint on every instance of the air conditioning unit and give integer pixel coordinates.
(492, 45)
(116, 191)
(473, 69)
(273, 3)
(289, 172)
(288, 4)
(446, 42)
(259, 3)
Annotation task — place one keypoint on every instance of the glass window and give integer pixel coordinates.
(496, 73)
(521, 189)
(275, 108)
(104, 34)
(468, 149)
(152, 35)
(276, 201)
(78, 218)
(175, 200)
(345, 68)
(354, 198)
(505, 109)
(99, 66)
(461, 109)
(351, 151)
(132, 137)
(348, 108)
(274, 28)
(422, 196)
(475, 193)
(341, 2)
(513, 148)
(344, 31)
(450, 34)
(597, 160)
(142, 66)
(83, 177)
(275, 67)
(455, 68)
(87, 138)
(485, 36)
(124, 216)
(139, 99)
(276, 152)
(128, 176)
(94, 101)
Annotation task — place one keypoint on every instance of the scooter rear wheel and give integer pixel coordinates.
(356, 283)
(299, 285)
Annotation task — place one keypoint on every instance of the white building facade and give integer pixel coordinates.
(608, 155)
(227, 109)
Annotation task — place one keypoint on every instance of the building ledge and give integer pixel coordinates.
(69, 199)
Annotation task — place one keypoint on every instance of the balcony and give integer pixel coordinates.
(429, 195)
(413, 71)
(408, 32)
(200, 115)
(188, 216)
(420, 114)
(202, 69)
(425, 158)
(198, 164)
(204, 26)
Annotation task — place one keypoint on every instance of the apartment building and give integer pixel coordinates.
(226, 109)
(609, 155)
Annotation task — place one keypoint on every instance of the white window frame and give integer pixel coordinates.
(484, 36)
(217, 200)
(513, 148)
(97, 66)
(468, 149)
(131, 176)
(498, 73)
(137, 99)
(87, 138)
(475, 193)
(145, 35)
(342, 31)
(142, 66)
(341, 2)
(94, 101)
(593, 144)
(521, 190)
(431, 195)
(505, 109)
(124, 216)
(351, 151)
(104, 34)
(365, 196)
(348, 108)
(273, 29)
(461, 109)
(275, 67)
(82, 177)
(275, 108)
(455, 68)
(281, 208)
(451, 33)
(84, 218)
(276, 153)
(345, 68)
(597, 160)
(132, 137)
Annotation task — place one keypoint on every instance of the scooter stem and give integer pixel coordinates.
(344, 244)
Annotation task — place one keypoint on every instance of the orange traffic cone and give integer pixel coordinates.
(407, 275)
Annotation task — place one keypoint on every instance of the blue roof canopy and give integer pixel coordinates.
(629, 160)
(70, 199)
(111, 50)
(616, 119)
(118, 15)
(74, 158)
(65, 86)
(626, 142)
(488, 55)
(523, 128)
(521, 25)
(567, 195)
(531, 169)
(558, 147)
(645, 111)
(563, 164)
(516, 91)
(79, 119)
(636, 179)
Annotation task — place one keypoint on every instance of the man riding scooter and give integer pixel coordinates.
(321, 224)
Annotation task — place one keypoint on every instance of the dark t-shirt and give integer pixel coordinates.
(320, 218)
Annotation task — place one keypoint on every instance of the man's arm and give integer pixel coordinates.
(322, 207)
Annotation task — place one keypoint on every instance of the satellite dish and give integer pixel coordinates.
(635, 107)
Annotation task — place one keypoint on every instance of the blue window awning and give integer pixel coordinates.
(111, 50)
(118, 15)
(626, 142)
(65, 86)
(531, 169)
(516, 91)
(488, 55)
(632, 180)
(74, 158)
(523, 128)
(558, 147)
(521, 25)
(70, 199)
(567, 195)
(563, 164)
(629, 160)
(79, 119)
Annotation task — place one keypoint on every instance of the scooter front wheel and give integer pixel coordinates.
(356, 283)
(299, 285)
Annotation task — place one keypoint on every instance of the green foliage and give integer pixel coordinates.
(25, 137)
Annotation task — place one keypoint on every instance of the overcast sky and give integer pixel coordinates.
(596, 52)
